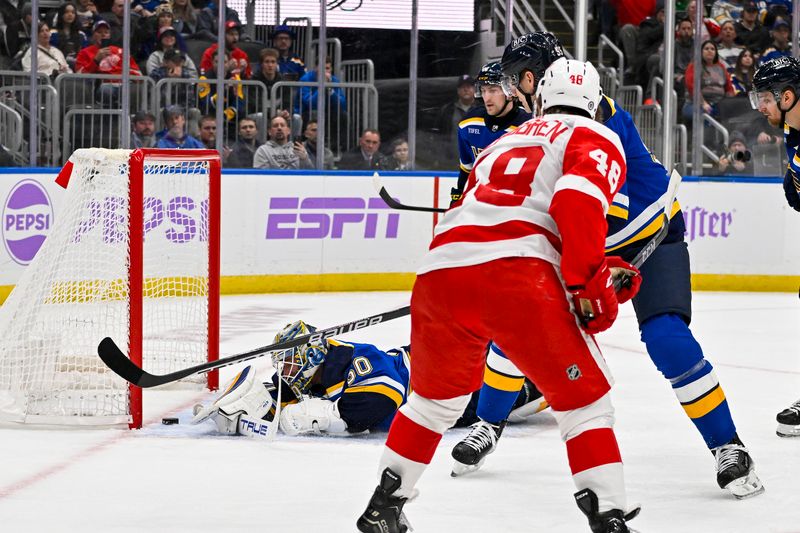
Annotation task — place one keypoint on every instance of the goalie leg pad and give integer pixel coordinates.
(243, 395)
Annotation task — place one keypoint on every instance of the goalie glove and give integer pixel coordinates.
(312, 415)
(242, 395)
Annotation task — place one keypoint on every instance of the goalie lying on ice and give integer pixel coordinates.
(335, 388)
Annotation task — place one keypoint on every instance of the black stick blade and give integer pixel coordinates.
(118, 362)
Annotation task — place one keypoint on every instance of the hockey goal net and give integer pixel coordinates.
(133, 255)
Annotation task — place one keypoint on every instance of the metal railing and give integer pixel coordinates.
(651, 130)
(343, 123)
(333, 51)
(567, 18)
(18, 98)
(604, 43)
(358, 71)
(525, 20)
(10, 129)
(91, 128)
(721, 130)
(630, 98)
(608, 81)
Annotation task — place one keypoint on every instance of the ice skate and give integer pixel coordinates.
(789, 421)
(471, 452)
(612, 521)
(736, 470)
(384, 513)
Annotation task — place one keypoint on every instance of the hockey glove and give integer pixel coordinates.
(312, 415)
(596, 302)
(791, 188)
(627, 278)
(455, 195)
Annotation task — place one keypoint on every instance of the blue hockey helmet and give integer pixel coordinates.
(297, 366)
(532, 52)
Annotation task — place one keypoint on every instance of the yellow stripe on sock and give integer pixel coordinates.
(501, 382)
(706, 404)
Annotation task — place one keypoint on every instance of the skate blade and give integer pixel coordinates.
(747, 487)
(785, 430)
(404, 521)
(460, 469)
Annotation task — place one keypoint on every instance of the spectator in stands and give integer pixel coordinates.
(176, 136)
(68, 36)
(208, 67)
(185, 17)
(451, 114)
(641, 42)
(207, 21)
(726, 46)
(234, 101)
(18, 34)
(290, 64)
(399, 156)
(144, 130)
(630, 14)
(366, 156)
(691, 12)
(279, 151)
(168, 40)
(780, 46)
(87, 15)
(749, 31)
(145, 8)
(100, 57)
(268, 73)
(115, 18)
(173, 66)
(244, 149)
(738, 159)
(207, 127)
(306, 104)
(715, 82)
(743, 72)
(10, 10)
(149, 29)
(723, 10)
(310, 134)
(684, 52)
(50, 59)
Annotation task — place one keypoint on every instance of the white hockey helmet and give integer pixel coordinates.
(570, 83)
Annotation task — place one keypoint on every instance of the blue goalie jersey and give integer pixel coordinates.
(477, 131)
(369, 384)
(635, 212)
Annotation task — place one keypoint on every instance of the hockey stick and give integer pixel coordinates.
(119, 363)
(648, 249)
(394, 204)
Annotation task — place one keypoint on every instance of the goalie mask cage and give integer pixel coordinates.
(133, 255)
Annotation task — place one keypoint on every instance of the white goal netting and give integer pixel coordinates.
(82, 287)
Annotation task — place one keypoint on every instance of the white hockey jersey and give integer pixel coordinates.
(525, 188)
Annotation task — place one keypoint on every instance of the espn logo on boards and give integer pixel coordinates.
(330, 217)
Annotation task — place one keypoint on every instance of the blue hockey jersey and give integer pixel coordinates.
(635, 212)
(369, 384)
(477, 131)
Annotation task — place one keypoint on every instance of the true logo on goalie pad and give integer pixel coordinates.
(253, 428)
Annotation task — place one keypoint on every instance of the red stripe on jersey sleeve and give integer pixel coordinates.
(595, 157)
(514, 229)
(592, 448)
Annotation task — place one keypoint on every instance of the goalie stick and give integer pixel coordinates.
(394, 204)
(119, 363)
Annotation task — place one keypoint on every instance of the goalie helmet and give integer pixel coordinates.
(298, 365)
(570, 83)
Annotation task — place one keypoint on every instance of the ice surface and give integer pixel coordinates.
(187, 478)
